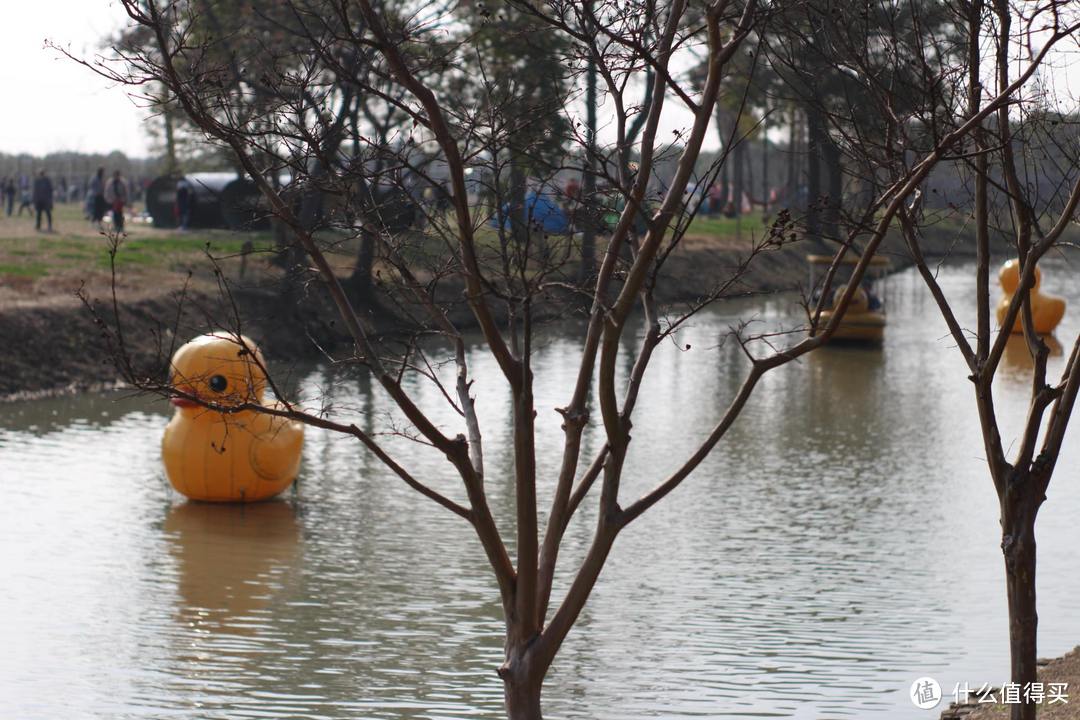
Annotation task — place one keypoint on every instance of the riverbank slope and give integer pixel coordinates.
(1065, 669)
(52, 340)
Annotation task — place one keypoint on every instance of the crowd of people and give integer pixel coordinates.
(107, 195)
(102, 196)
(707, 200)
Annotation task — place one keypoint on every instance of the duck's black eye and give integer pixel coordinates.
(218, 383)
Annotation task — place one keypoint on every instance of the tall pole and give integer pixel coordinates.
(171, 165)
(765, 165)
(588, 184)
(793, 161)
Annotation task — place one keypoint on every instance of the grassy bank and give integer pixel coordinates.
(46, 268)
(40, 316)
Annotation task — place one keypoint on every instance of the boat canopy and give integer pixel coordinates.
(848, 259)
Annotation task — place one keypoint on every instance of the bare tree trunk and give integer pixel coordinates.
(522, 674)
(870, 186)
(737, 180)
(748, 182)
(172, 166)
(813, 175)
(793, 161)
(585, 203)
(312, 204)
(278, 228)
(823, 214)
(725, 189)
(313, 197)
(1018, 547)
(834, 174)
(359, 281)
(764, 168)
(522, 700)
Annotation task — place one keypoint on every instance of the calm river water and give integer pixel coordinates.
(840, 542)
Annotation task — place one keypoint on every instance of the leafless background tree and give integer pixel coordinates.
(1022, 187)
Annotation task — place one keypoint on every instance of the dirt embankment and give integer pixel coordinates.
(57, 346)
(1060, 679)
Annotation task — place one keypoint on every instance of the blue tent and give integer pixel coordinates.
(541, 213)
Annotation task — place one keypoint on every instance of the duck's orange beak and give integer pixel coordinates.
(182, 402)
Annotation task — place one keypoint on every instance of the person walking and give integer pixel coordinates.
(95, 195)
(116, 195)
(9, 194)
(183, 203)
(43, 198)
(26, 199)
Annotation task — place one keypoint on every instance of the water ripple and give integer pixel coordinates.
(840, 541)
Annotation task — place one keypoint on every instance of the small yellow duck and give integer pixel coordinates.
(243, 456)
(1046, 310)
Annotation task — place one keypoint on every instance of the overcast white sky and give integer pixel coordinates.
(53, 104)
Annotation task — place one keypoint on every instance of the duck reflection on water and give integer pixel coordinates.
(232, 560)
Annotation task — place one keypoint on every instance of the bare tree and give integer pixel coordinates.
(920, 103)
(1022, 480)
(504, 277)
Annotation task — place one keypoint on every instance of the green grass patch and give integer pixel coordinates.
(181, 244)
(29, 270)
(165, 251)
(725, 226)
(68, 243)
(126, 259)
(173, 245)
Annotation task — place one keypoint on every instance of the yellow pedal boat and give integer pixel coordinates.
(864, 320)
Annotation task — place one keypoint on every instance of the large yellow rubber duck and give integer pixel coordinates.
(1046, 310)
(240, 456)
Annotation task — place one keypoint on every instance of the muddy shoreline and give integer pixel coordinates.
(61, 348)
(1061, 670)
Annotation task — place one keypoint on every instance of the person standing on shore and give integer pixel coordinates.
(183, 203)
(9, 194)
(96, 197)
(116, 195)
(43, 198)
(26, 199)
